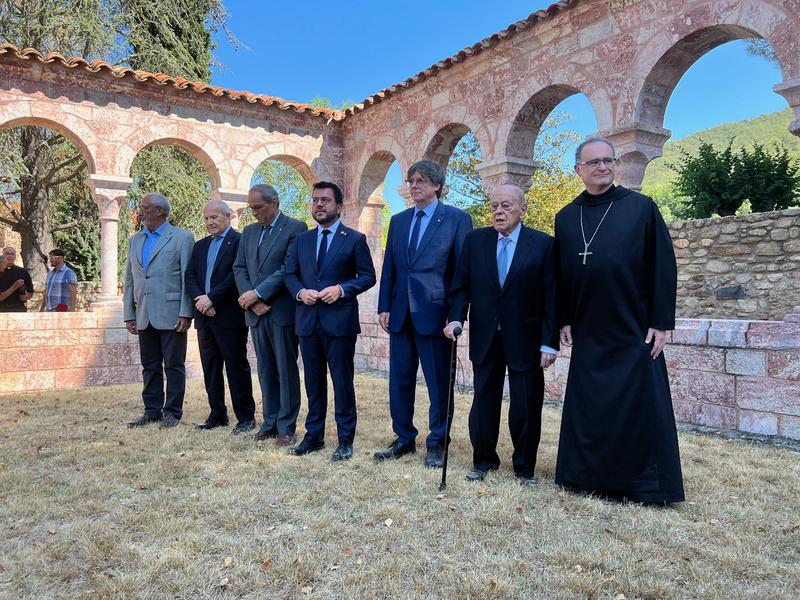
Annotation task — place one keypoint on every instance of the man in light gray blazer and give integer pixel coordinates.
(158, 309)
(258, 270)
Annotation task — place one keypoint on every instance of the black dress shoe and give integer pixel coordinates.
(265, 435)
(343, 452)
(476, 475)
(243, 426)
(169, 421)
(307, 446)
(211, 424)
(434, 458)
(527, 480)
(396, 450)
(142, 421)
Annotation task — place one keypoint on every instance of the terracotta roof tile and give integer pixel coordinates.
(492, 40)
(99, 66)
(180, 83)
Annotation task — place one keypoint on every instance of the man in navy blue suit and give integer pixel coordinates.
(422, 249)
(221, 330)
(506, 276)
(326, 269)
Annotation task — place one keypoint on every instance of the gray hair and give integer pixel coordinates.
(268, 193)
(431, 170)
(158, 200)
(592, 140)
(221, 206)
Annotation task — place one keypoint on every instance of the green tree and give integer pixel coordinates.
(291, 187)
(770, 181)
(710, 181)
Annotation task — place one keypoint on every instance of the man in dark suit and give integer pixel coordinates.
(506, 275)
(221, 330)
(258, 270)
(422, 249)
(326, 269)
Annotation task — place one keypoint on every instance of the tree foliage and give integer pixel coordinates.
(553, 185)
(720, 181)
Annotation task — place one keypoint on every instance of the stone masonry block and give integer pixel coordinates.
(117, 335)
(722, 417)
(728, 334)
(693, 357)
(691, 331)
(783, 364)
(774, 335)
(789, 426)
(746, 362)
(768, 395)
(758, 422)
(702, 386)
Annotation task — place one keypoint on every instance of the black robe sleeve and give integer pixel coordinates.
(663, 272)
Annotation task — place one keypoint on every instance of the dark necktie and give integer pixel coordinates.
(412, 245)
(323, 248)
(262, 242)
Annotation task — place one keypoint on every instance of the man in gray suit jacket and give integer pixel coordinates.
(158, 309)
(270, 311)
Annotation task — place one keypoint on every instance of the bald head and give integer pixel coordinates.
(508, 205)
(217, 217)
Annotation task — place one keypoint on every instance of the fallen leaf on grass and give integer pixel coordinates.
(359, 560)
(228, 561)
(24, 413)
(182, 454)
(121, 443)
(660, 556)
(348, 551)
(520, 510)
(299, 560)
(333, 568)
(493, 581)
(266, 564)
(225, 583)
(51, 531)
(440, 496)
(761, 529)
(577, 569)
(306, 589)
(608, 530)
(388, 522)
(713, 521)
(523, 566)
(619, 596)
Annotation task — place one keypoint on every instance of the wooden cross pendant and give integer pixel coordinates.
(584, 254)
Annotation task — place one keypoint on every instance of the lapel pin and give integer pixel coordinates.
(342, 233)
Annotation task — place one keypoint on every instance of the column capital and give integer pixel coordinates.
(790, 90)
(507, 169)
(108, 192)
(636, 145)
(405, 194)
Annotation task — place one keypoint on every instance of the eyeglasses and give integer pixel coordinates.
(418, 181)
(593, 164)
(322, 201)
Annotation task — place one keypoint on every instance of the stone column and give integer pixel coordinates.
(370, 223)
(109, 193)
(791, 91)
(405, 194)
(236, 199)
(506, 169)
(636, 146)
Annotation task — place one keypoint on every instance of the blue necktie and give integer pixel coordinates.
(211, 258)
(323, 248)
(502, 260)
(412, 244)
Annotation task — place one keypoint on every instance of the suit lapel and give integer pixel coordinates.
(162, 241)
(336, 243)
(430, 230)
(136, 246)
(490, 256)
(523, 249)
(224, 247)
(404, 224)
(269, 243)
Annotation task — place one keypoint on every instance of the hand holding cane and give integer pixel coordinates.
(452, 381)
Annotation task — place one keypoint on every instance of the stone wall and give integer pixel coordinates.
(744, 267)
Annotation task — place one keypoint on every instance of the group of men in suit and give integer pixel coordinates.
(297, 287)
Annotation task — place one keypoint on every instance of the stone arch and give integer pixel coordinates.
(373, 175)
(68, 133)
(298, 164)
(196, 152)
(674, 58)
(444, 139)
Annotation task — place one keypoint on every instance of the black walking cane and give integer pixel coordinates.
(456, 332)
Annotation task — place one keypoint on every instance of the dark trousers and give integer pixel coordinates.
(163, 351)
(320, 353)
(226, 346)
(278, 374)
(524, 413)
(407, 350)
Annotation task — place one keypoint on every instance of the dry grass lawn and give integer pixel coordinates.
(91, 509)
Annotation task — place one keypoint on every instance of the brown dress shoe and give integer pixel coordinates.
(286, 440)
(264, 435)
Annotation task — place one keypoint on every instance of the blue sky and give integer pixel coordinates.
(302, 50)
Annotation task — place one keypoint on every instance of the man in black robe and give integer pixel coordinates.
(617, 283)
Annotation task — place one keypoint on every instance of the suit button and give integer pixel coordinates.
(259, 275)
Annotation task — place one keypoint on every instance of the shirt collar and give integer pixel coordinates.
(274, 221)
(333, 228)
(514, 235)
(157, 232)
(429, 210)
(224, 233)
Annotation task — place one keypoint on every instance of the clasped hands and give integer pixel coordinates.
(250, 301)
(328, 295)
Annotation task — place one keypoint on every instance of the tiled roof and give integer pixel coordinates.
(514, 28)
(99, 66)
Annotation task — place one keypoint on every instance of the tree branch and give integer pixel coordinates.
(56, 169)
(65, 227)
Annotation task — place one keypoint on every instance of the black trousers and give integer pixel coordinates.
(320, 353)
(226, 346)
(163, 351)
(524, 414)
